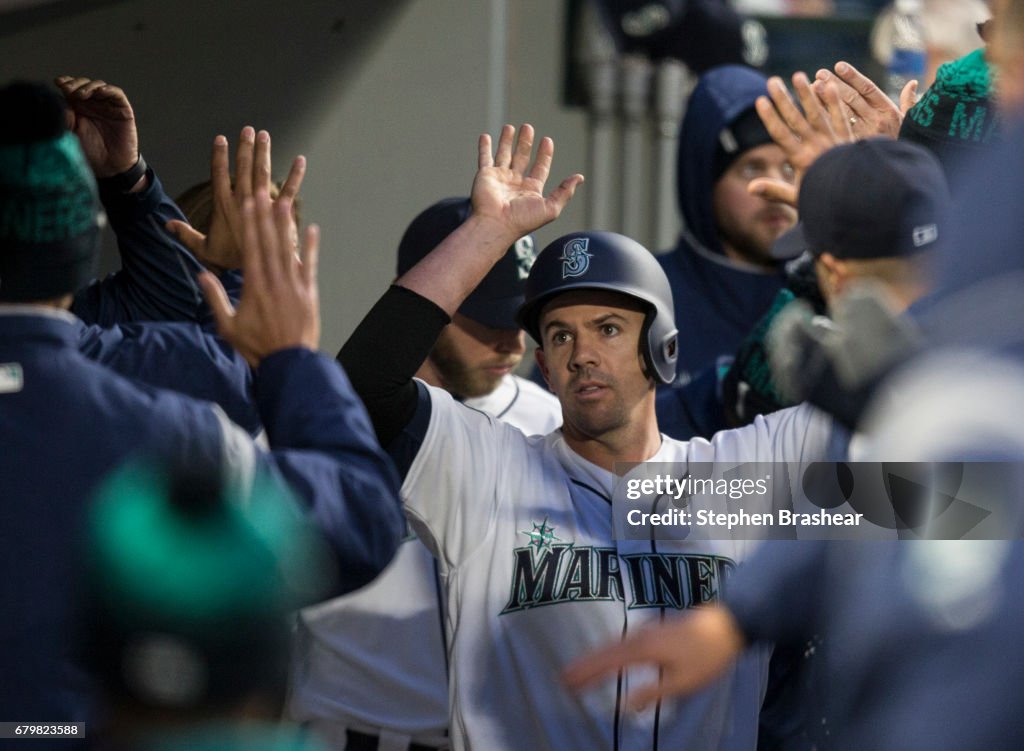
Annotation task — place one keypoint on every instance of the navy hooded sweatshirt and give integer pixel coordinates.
(717, 300)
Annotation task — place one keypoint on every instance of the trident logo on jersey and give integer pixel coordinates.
(575, 258)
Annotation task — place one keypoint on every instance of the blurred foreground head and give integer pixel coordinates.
(189, 583)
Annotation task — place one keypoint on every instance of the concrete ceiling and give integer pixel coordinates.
(18, 15)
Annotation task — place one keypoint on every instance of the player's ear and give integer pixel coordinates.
(538, 355)
(830, 262)
(839, 271)
(826, 267)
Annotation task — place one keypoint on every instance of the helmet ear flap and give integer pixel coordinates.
(646, 356)
(670, 350)
(658, 346)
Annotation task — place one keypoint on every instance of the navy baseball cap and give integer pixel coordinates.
(745, 132)
(789, 245)
(497, 298)
(876, 198)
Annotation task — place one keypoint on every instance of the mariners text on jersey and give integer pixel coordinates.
(566, 573)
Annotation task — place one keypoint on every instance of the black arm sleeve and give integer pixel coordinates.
(384, 352)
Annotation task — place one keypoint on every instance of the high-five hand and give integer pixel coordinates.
(102, 118)
(280, 306)
(508, 191)
(221, 249)
(508, 202)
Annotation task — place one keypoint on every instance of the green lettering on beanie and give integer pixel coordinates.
(924, 111)
(969, 127)
(956, 105)
(47, 192)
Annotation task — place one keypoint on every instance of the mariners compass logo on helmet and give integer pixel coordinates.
(575, 258)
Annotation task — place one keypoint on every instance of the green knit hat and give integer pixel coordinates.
(957, 115)
(50, 214)
(189, 582)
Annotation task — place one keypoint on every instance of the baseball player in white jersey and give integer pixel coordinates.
(522, 528)
(369, 668)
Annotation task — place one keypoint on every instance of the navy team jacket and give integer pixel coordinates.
(66, 421)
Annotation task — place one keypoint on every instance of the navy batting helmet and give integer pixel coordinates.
(606, 260)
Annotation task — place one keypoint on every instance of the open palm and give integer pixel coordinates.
(509, 191)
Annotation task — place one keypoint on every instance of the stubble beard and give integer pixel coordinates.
(460, 377)
(754, 241)
(599, 419)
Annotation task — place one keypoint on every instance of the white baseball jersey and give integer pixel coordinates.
(522, 528)
(374, 660)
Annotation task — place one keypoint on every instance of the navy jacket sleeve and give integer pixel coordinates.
(778, 594)
(349, 484)
(179, 357)
(691, 410)
(157, 277)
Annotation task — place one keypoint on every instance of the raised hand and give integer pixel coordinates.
(280, 306)
(102, 118)
(221, 249)
(871, 112)
(690, 651)
(507, 191)
(508, 202)
(803, 135)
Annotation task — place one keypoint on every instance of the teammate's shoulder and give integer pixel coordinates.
(804, 414)
(444, 406)
(534, 410)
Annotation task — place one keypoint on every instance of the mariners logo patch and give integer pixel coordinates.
(542, 535)
(575, 258)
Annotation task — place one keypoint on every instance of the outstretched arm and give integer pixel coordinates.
(319, 433)
(179, 357)
(508, 202)
(776, 596)
(690, 651)
(157, 279)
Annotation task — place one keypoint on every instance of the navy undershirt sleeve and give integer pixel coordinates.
(381, 357)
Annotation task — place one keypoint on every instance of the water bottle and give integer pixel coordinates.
(908, 47)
